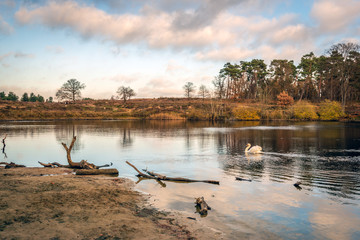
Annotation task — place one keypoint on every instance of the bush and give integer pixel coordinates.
(284, 99)
(246, 113)
(304, 110)
(197, 114)
(166, 116)
(330, 110)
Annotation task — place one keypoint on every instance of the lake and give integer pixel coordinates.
(325, 157)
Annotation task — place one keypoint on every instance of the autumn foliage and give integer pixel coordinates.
(283, 99)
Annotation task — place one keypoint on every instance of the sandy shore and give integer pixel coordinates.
(43, 203)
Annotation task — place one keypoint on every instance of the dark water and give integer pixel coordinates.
(325, 157)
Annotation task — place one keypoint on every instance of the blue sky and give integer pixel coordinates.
(156, 46)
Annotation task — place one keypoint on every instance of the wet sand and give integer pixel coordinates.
(53, 203)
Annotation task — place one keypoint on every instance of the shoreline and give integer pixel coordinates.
(53, 203)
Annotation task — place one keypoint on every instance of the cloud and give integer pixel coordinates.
(6, 55)
(23, 55)
(55, 49)
(8, 3)
(209, 30)
(160, 87)
(334, 16)
(203, 16)
(5, 28)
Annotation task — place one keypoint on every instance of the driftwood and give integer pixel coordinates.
(297, 185)
(3, 141)
(243, 179)
(83, 164)
(53, 165)
(152, 175)
(4, 145)
(201, 206)
(11, 165)
(109, 171)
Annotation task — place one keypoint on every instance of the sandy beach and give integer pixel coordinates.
(53, 203)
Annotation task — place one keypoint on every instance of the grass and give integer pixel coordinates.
(176, 109)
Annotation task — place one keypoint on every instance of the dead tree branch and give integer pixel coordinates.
(83, 164)
(11, 165)
(152, 175)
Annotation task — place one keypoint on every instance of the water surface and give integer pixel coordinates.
(325, 157)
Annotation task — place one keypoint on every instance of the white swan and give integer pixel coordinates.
(254, 149)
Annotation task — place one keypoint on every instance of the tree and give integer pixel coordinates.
(344, 66)
(203, 92)
(219, 84)
(307, 70)
(189, 88)
(50, 99)
(25, 97)
(282, 74)
(33, 97)
(40, 98)
(12, 96)
(2, 96)
(70, 90)
(125, 93)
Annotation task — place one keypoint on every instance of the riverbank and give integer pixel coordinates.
(176, 109)
(53, 203)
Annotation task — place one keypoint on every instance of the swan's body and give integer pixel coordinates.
(254, 149)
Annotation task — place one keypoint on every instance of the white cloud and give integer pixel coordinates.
(215, 33)
(334, 16)
(55, 49)
(160, 87)
(5, 28)
(23, 55)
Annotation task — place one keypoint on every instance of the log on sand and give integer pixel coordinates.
(11, 165)
(152, 175)
(108, 171)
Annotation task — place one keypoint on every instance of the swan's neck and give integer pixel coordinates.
(247, 148)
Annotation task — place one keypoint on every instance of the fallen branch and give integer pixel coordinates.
(109, 171)
(242, 179)
(201, 206)
(83, 164)
(152, 175)
(11, 165)
(54, 164)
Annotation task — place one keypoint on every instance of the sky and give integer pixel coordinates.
(156, 46)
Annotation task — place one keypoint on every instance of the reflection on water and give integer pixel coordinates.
(324, 157)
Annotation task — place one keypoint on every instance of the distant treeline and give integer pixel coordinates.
(334, 76)
(11, 96)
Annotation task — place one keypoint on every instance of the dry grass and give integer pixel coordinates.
(165, 109)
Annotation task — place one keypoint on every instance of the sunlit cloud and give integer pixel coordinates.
(334, 16)
(55, 49)
(208, 38)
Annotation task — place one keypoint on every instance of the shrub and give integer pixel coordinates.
(304, 110)
(166, 116)
(197, 114)
(284, 99)
(246, 113)
(330, 110)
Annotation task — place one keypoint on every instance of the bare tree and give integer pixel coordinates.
(70, 90)
(203, 92)
(220, 88)
(125, 93)
(189, 88)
